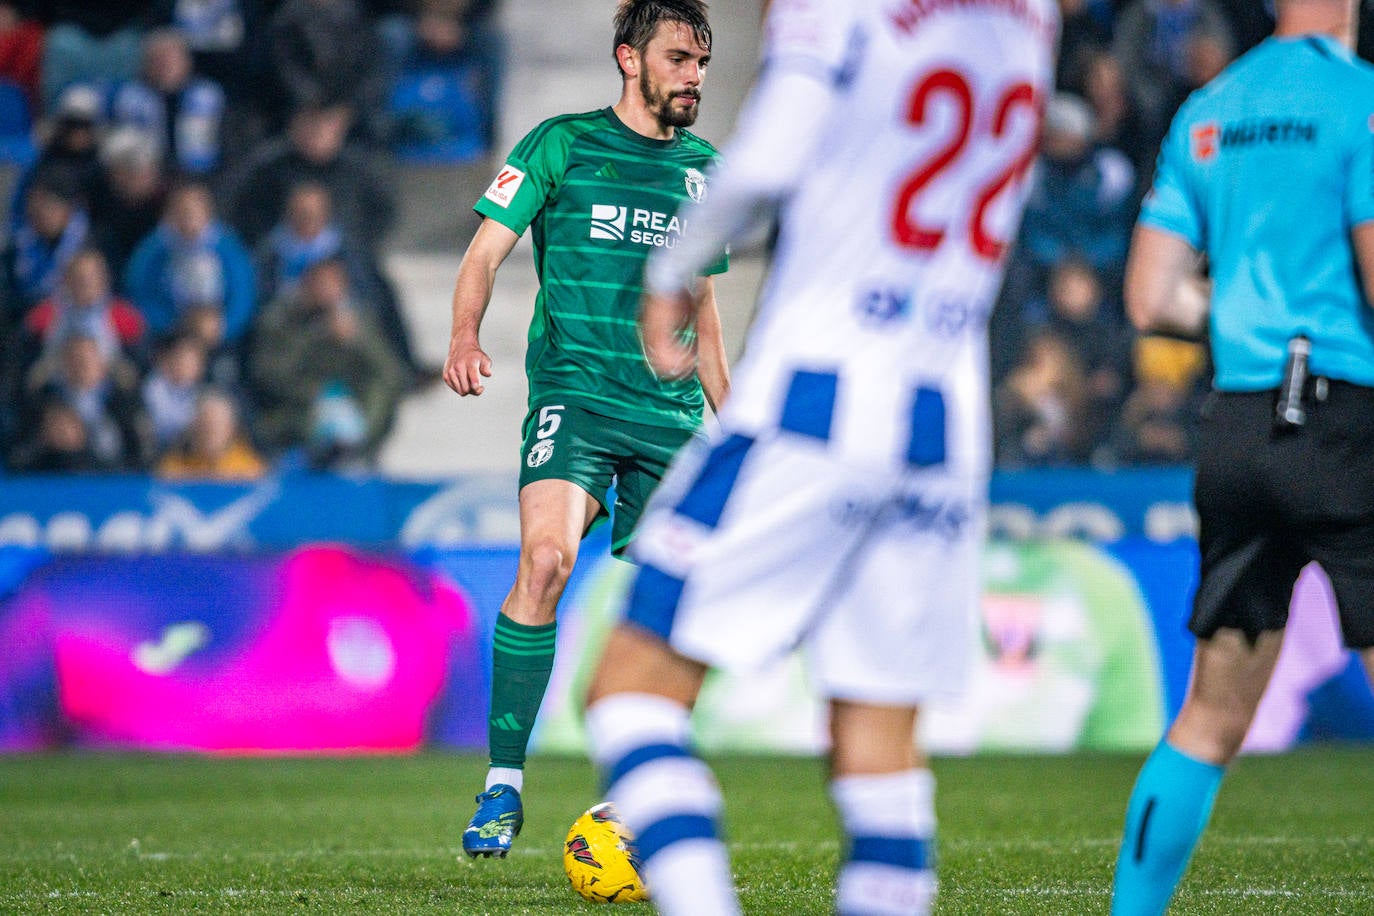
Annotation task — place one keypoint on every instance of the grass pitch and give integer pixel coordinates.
(165, 834)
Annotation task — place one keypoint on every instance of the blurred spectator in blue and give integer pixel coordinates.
(306, 235)
(69, 152)
(82, 304)
(104, 392)
(192, 272)
(323, 378)
(172, 387)
(309, 234)
(1039, 409)
(170, 102)
(1151, 40)
(90, 41)
(129, 196)
(324, 53)
(54, 229)
(58, 442)
(21, 50)
(229, 45)
(316, 150)
(85, 304)
(449, 34)
(1082, 201)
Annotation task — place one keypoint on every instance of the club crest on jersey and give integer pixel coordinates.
(1206, 141)
(502, 190)
(540, 453)
(696, 185)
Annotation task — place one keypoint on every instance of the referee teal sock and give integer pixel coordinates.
(1168, 811)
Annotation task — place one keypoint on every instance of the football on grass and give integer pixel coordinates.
(599, 857)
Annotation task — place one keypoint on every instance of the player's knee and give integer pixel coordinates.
(546, 568)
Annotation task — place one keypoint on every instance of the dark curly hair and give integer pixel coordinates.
(636, 21)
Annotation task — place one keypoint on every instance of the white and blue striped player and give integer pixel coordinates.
(840, 505)
(1269, 171)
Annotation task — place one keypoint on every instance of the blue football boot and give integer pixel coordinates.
(496, 824)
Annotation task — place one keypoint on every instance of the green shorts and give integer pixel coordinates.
(565, 442)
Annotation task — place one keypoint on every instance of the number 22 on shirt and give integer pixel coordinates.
(927, 233)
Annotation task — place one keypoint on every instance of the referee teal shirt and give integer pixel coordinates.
(1267, 169)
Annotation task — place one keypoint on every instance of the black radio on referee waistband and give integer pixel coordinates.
(1290, 412)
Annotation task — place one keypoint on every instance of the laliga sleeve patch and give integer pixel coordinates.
(502, 190)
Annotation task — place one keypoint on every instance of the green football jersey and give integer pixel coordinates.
(599, 198)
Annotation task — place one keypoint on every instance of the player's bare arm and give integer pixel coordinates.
(467, 364)
(1363, 237)
(1165, 291)
(713, 369)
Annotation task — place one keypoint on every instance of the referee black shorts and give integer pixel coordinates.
(1272, 501)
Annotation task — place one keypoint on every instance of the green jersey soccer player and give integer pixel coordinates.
(598, 191)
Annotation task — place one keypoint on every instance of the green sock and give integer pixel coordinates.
(522, 659)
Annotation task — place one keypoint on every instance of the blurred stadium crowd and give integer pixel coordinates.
(192, 277)
(192, 282)
(1073, 383)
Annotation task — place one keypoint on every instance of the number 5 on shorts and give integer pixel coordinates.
(549, 421)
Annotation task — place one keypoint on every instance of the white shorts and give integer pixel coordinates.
(751, 548)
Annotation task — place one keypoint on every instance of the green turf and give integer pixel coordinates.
(154, 834)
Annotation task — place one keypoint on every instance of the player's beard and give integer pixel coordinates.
(664, 105)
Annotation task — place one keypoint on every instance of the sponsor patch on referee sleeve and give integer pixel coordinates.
(502, 190)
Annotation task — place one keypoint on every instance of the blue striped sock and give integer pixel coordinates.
(1168, 811)
(667, 797)
(890, 819)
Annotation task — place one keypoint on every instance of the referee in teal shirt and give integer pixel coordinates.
(1269, 172)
